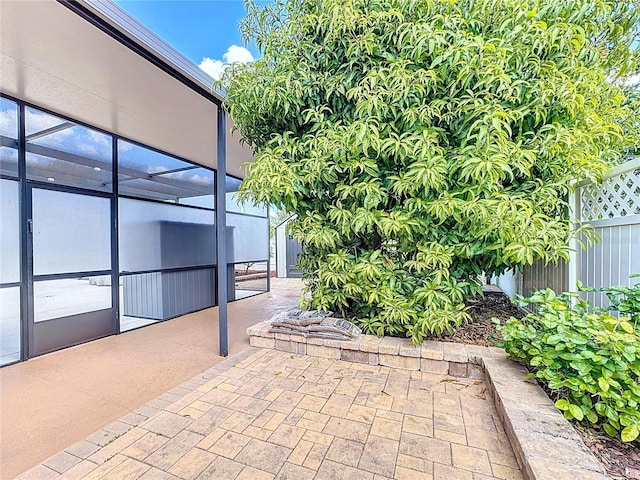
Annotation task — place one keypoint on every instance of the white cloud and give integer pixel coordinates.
(234, 54)
(9, 123)
(37, 121)
(634, 80)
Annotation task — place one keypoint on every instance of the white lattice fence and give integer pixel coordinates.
(617, 197)
(613, 209)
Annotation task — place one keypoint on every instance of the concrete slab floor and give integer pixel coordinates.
(53, 401)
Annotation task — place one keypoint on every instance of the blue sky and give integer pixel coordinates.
(205, 31)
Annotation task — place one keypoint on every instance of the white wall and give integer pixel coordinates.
(281, 251)
(508, 282)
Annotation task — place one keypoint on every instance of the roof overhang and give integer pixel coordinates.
(93, 62)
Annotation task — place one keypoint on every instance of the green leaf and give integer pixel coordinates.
(562, 404)
(611, 431)
(627, 327)
(576, 412)
(604, 385)
(630, 433)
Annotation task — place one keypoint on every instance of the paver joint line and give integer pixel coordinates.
(489, 364)
(264, 413)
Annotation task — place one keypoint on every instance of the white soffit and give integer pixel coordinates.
(54, 58)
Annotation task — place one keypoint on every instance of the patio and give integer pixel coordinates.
(52, 401)
(264, 414)
(138, 406)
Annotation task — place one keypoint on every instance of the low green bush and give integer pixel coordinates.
(624, 300)
(588, 359)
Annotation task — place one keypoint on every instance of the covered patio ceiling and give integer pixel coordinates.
(55, 59)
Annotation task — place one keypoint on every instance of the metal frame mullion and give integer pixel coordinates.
(65, 275)
(269, 250)
(67, 189)
(163, 202)
(260, 260)
(253, 215)
(115, 252)
(169, 270)
(26, 293)
(29, 318)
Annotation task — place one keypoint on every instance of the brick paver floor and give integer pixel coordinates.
(265, 414)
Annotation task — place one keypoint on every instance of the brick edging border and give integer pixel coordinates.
(545, 445)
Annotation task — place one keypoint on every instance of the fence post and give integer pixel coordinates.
(574, 220)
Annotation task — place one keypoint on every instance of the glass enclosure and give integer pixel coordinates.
(167, 236)
(71, 232)
(10, 232)
(69, 203)
(247, 244)
(69, 296)
(9, 325)
(10, 290)
(64, 153)
(78, 275)
(146, 173)
(9, 137)
(9, 272)
(156, 236)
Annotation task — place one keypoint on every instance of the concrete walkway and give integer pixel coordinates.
(265, 414)
(51, 402)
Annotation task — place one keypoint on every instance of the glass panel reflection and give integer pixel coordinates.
(144, 160)
(156, 236)
(250, 279)
(9, 325)
(250, 238)
(233, 185)
(153, 296)
(8, 137)
(62, 152)
(61, 298)
(149, 174)
(70, 232)
(9, 232)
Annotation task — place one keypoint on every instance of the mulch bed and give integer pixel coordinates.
(482, 330)
(621, 460)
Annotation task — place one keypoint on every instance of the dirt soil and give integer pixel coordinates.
(482, 330)
(621, 460)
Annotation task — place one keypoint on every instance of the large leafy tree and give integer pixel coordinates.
(421, 142)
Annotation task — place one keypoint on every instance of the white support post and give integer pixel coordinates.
(574, 260)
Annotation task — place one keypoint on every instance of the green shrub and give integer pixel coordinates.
(588, 360)
(625, 300)
(421, 143)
